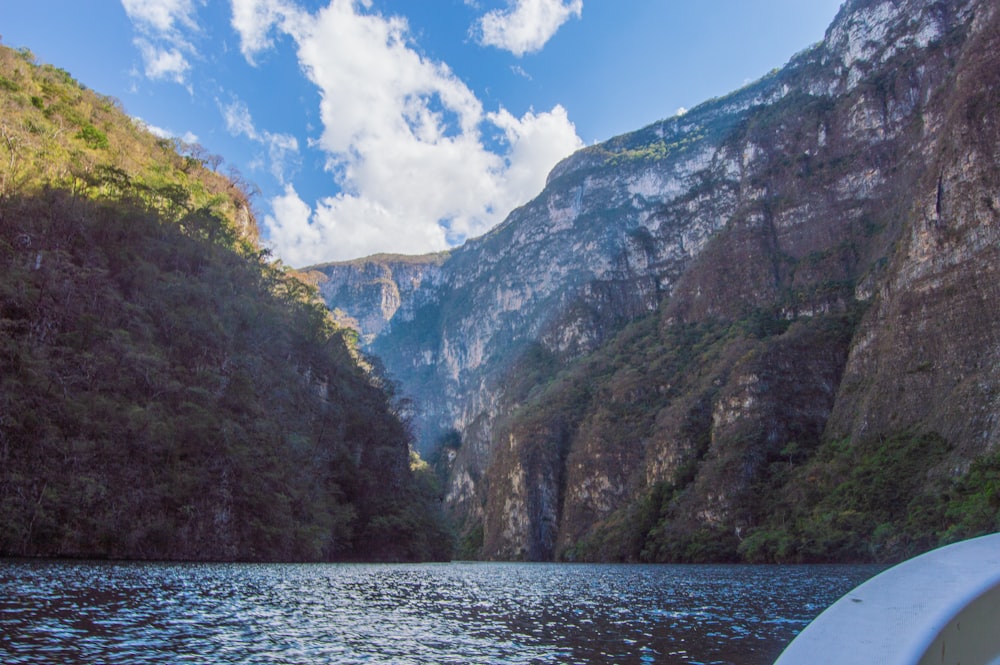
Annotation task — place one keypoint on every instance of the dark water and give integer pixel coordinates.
(135, 613)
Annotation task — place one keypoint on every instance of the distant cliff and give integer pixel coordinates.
(766, 329)
(377, 288)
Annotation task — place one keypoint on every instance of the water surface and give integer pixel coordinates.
(138, 613)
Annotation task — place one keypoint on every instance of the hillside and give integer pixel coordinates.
(764, 330)
(166, 391)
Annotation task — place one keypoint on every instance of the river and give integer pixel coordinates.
(138, 613)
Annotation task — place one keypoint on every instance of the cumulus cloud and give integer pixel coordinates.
(527, 25)
(255, 20)
(162, 24)
(405, 139)
(534, 140)
(342, 227)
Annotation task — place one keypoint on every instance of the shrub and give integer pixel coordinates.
(93, 137)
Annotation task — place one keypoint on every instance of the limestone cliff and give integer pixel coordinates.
(376, 288)
(810, 259)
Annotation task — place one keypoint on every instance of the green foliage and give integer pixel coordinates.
(807, 500)
(616, 395)
(471, 543)
(93, 137)
(655, 151)
(717, 544)
(765, 322)
(56, 133)
(873, 500)
(170, 397)
(971, 503)
(165, 390)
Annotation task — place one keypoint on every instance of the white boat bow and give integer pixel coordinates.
(940, 608)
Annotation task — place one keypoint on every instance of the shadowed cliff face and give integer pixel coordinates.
(811, 258)
(928, 354)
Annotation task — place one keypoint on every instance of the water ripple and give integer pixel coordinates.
(140, 613)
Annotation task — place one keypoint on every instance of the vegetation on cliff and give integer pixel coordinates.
(764, 330)
(799, 496)
(166, 391)
(819, 382)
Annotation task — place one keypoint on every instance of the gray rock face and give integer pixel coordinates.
(929, 351)
(862, 175)
(373, 291)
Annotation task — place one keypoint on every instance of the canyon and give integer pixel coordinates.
(695, 327)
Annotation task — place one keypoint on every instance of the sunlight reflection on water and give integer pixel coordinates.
(137, 613)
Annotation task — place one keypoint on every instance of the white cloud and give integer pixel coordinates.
(162, 24)
(254, 20)
(238, 120)
(163, 63)
(534, 140)
(283, 154)
(519, 71)
(160, 132)
(403, 138)
(291, 232)
(526, 25)
(161, 16)
(341, 227)
(282, 149)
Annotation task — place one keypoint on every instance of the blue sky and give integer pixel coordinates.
(405, 125)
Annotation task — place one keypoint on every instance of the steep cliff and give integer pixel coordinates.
(377, 289)
(644, 360)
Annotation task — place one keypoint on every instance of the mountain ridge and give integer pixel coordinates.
(753, 254)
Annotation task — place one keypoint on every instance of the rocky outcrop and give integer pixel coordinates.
(371, 292)
(928, 354)
(812, 257)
